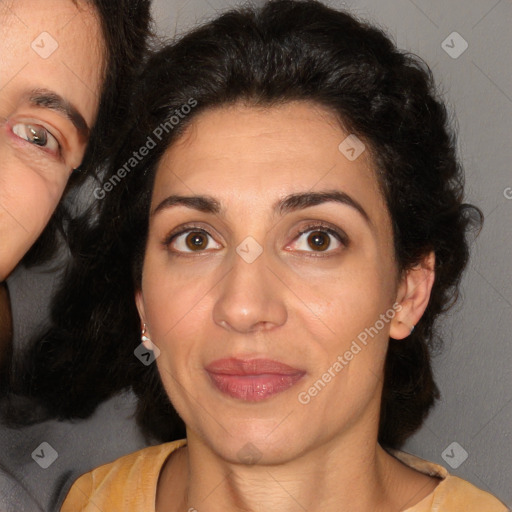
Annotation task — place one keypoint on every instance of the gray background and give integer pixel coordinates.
(474, 371)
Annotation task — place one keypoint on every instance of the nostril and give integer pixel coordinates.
(224, 324)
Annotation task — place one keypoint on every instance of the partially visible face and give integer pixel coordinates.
(269, 253)
(52, 59)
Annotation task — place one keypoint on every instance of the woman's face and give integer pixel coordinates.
(269, 282)
(50, 80)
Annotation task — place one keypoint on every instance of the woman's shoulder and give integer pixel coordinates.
(456, 494)
(452, 494)
(128, 483)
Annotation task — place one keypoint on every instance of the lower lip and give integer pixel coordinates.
(254, 388)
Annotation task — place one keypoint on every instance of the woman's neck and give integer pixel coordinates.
(352, 476)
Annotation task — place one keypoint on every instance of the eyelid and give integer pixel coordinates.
(336, 232)
(71, 146)
(181, 229)
(184, 229)
(27, 129)
(54, 132)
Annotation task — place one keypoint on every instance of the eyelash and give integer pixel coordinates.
(37, 124)
(338, 234)
(187, 228)
(341, 236)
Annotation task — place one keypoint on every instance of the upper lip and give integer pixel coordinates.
(234, 366)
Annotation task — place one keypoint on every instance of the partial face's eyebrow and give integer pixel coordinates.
(300, 201)
(48, 99)
(201, 203)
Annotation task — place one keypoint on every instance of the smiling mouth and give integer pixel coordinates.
(252, 380)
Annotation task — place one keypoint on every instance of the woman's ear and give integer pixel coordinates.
(139, 301)
(413, 296)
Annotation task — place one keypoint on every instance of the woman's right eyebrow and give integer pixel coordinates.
(205, 204)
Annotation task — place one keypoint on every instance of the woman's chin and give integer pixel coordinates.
(250, 441)
(256, 450)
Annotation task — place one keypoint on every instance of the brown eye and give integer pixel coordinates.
(196, 241)
(319, 240)
(192, 240)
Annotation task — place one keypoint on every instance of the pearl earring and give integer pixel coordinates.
(144, 338)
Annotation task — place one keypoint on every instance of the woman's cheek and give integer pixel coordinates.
(175, 290)
(28, 197)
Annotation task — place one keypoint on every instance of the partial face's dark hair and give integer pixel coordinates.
(125, 27)
(285, 51)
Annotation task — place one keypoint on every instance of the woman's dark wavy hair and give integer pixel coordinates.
(284, 51)
(126, 28)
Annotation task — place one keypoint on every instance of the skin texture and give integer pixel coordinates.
(32, 176)
(292, 304)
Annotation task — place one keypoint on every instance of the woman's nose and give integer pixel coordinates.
(251, 297)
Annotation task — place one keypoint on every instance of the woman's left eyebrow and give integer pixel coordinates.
(300, 201)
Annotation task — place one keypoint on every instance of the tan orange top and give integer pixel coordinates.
(129, 485)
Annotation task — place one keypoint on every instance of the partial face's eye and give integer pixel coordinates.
(37, 135)
(193, 241)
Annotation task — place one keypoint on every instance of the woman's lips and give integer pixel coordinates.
(254, 379)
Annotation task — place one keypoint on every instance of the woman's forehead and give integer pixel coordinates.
(284, 148)
(56, 45)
